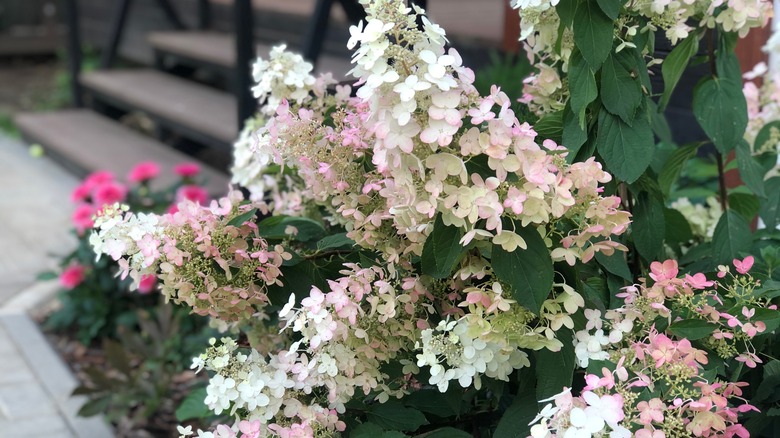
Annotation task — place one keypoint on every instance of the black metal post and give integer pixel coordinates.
(421, 3)
(117, 29)
(245, 48)
(204, 14)
(315, 34)
(354, 10)
(74, 51)
(171, 14)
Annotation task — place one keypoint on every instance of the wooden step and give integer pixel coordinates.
(84, 142)
(218, 49)
(196, 111)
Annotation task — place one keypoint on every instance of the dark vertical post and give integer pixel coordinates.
(315, 34)
(354, 10)
(74, 50)
(421, 3)
(204, 14)
(245, 47)
(117, 28)
(171, 14)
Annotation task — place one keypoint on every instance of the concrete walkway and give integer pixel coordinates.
(35, 384)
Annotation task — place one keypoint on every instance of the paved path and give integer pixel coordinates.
(35, 384)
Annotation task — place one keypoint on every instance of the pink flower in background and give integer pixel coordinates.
(186, 170)
(147, 284)
(110, 193)
(80, 193)
(82, 217)
(743, 266)
(98, 178)
(72, 276)
(193, 193)
(144, 172)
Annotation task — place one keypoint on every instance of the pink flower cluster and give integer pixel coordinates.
(637, 357)
(98, 189)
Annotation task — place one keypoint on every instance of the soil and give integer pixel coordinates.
(27, 83)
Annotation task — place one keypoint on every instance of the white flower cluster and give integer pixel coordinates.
(590, 415)
(592, 342)
(703, 218)
(285, 75)
(453, 353)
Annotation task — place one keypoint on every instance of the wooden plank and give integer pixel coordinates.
(200, 111)
(84, 142)
(218, 48)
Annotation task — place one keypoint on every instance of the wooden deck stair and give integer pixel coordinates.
(84, 141)
(217, 50)
(202, 113)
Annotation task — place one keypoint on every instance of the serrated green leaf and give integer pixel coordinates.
(243, 217)
(674, 65)
(611, 8)
(442, 250)
(621, 94)
(528, 272)
(514, 422)
(721, 110)
(770, 207)
(566, 10)
(746, 204)
(731, 237)
(750, 171)
(692, 329)
(432, 401)
(446, 432)
(95, 406)
(193, 406)
(593, 33)
(276, 227)
(649, 227)
(554, 369)
(678, 229)
(674, 166)
(627, 150)
(615, 264)
(550, 126)
(392, 415)
(582, 85)
(366, 430)
(335, 241)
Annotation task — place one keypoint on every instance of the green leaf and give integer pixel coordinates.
(678, 229)
(432, 401)
(674, 166)
(674, 65)
(446, 432)
(627, 150)
(46, 276)
(770, 381)
(566, 10)
(721, 110)
(573, 135)
(95, 406)
(554, 369)
(514, 422)
(366, 430)
(731, 236)
(621, 93)
(770, 208)
(335, 241)
(551, 126)
(615, 264)
(750, 171)
(243, 217)
(442, 250)
(193, 406)
(649, 227)
(582, 86)
(611, 8)
(692, 329)
(529, 272)
(276, 228)
(394, 416)
(745, 204)
(593, 32)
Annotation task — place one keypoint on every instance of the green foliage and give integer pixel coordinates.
(721, 110)
(626, 149)
(593, 33)
(621, 91)
(392, 415)
(731, 237)
(674, 65)
(442, 250)
(529, 272)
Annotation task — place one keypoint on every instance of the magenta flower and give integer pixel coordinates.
(110, 193)
(72, 276)
(82, 218)
(147, 284)
(186, 170)
(144, 172)
(192, 193)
